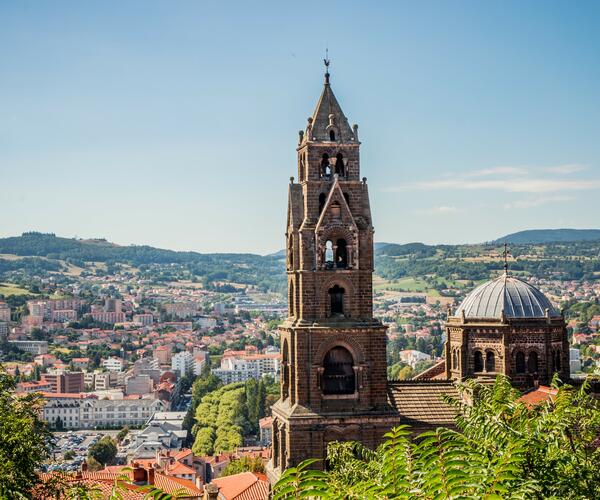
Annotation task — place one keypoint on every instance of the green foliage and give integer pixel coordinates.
(23, 439)
(122, 433)
(243, 464)
(104, 451)
(502, 449)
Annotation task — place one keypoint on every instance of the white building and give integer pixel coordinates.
(33, 346)
(182, 363)
(412, 357)
(574, 360)
(239, 368)
(113, 364)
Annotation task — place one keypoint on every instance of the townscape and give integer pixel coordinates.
(169, 330)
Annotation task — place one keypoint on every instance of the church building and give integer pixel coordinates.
(334, 383)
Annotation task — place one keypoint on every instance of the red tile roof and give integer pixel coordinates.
(538, 396)
(243, 486)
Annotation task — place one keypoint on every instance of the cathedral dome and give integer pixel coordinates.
(507, 297)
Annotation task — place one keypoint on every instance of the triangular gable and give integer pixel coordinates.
(336, 194)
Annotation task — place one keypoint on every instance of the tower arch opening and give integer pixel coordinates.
(490, 361)
(336, 297)
(338, 372)
(477, 361)
(339, 164)
(520, 362)
(332, 135)
(341, 258)
(532, 362)
(325, 167)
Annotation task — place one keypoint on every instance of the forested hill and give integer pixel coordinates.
(100, 250)
(537, 236)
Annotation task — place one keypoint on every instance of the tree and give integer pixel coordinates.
(24, 439)
(244, 464)
(104, 451)
(503, 449)
(122, 433)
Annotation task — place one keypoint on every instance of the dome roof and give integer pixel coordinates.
(507, 294)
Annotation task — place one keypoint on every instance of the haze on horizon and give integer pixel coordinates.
(175, 124)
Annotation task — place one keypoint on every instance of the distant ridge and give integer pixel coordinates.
(537, 236)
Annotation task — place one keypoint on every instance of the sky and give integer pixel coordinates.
(175, 124)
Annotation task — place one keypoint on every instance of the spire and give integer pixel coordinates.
(328, 123)
(327, 62)
(505, 254)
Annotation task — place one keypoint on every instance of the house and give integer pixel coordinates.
(242, 486)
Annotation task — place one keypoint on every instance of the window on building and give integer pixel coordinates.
(557, 361)
(347, 198)
(341, 260)
(339, 164)
(332, 135)
(338, 372)
(455, 359)
(336, 294)
(336, 210)
(520, 362)
(532, 362)
(325, 168)
(490, 362)
(329, 254)
(478, 361)
(322, 199)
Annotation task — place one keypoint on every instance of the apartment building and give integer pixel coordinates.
(33, 346)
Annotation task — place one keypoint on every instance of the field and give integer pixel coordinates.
(7, 289)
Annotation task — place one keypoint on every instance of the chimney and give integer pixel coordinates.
(150, 475)
(211, 492)
(139, 473)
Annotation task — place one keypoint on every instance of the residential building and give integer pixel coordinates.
(265, 426)
(138, 384)
(146, 319)
(162, 354)
(574, 360)
(64, 381)
(113, 364)
(182, 363)
(33, 346)
(4, 312)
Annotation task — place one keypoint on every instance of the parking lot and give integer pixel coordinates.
(76, 443)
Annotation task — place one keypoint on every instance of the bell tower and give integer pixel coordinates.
(334, 377)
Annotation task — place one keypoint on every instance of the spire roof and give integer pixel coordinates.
(329, 117)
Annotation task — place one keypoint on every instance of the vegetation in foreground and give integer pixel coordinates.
(502, 449)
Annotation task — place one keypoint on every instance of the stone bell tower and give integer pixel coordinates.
(334, 378)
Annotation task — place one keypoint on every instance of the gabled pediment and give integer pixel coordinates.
(336, 210)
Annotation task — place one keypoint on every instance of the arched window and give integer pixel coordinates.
(332, 135)
(291, 252)
(490, 362)
(520, 362)
(455, 359)
(291, 300)
(336, 294)
(322, 199)
(341, 260)
(336, 210)
(477, 361)
(338, 372)
(339, 164)
(557, 361)
(532, 362)
(347, 198)
(285, 361)
(325, 168)
(328, 254)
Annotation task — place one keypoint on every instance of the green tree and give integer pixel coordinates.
(24, 439)
(122, 433)
(244, 464)
(104, 451)
(502, 448)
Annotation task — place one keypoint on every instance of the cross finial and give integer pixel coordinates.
(327, 62)
(505, 253)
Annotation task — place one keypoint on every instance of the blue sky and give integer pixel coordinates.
(175, 123)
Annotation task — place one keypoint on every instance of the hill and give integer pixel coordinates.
(538, 236)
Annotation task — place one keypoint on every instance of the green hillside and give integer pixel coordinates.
(537, 236)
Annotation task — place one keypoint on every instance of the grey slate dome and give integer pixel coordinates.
(507, 294)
